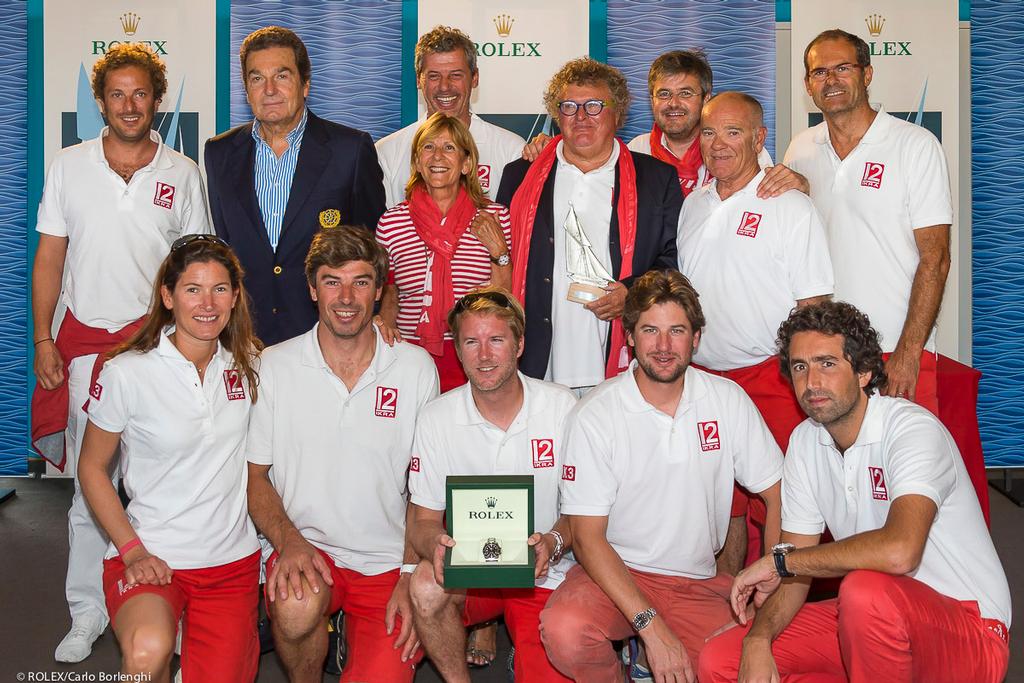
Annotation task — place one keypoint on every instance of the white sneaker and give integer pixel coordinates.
(77, 644)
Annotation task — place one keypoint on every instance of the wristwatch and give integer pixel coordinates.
(643, 619)
(502, 260)
(779, 552)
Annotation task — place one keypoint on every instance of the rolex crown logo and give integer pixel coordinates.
(330, 218)
(875, 23)
(130, 23)
(491, 501)
(503, 23)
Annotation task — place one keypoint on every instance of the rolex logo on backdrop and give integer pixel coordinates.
(130, 23)
(884, 48)
(503, 26)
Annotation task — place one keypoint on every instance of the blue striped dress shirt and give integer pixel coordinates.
(274, 177)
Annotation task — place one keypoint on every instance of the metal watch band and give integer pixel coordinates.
(643, 619)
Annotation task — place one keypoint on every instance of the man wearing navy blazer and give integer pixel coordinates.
(275, 182)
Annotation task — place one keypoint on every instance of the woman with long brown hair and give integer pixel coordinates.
(176, 398)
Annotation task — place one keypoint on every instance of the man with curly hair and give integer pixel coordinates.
(585, 199)
(446, 75)
(923, 596)
(111, 208)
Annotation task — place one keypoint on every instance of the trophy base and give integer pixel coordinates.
(583, 293)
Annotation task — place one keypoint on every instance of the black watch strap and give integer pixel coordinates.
(780, 565)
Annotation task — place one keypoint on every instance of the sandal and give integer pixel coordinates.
(478, 657)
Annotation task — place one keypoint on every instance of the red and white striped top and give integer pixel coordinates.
(409, 260)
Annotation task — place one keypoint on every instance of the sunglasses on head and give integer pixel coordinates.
(185, 240)
(494, 297)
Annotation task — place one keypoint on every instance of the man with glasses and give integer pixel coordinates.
(446, 75)
(679, 83)
(882, 187)
(110, 209)
(502, 422)
(588, 217)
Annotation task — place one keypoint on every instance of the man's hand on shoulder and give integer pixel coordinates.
(535, 147)
(779, 179)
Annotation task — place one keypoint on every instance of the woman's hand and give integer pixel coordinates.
(485, 227)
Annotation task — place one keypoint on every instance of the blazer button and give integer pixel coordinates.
(551, 240)
(547, 320)
(274, 311)
(547, 280)
(277, 270)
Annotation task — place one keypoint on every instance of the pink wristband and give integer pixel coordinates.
(128, 546)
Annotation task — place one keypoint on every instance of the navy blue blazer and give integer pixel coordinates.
(658, 203)
(337, 169)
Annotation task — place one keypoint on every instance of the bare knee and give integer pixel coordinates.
(428, 598)
(295, 619)
(147, 649)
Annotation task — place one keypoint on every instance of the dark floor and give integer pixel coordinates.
(33, 614)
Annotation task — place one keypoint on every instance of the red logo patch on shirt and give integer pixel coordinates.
(569, 472)
(749, 224)
(414, 465)
(483, 172)
(710, 440)
(387, 402)
(543, 452)
(872, 175)
(233, 385)
(164, 195)
(96, 390)
(878, 488)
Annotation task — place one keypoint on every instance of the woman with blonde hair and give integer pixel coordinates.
(443, 241)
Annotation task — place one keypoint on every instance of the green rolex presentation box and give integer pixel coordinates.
(490, 517)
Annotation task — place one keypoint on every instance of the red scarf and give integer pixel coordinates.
(50, 406)
(686, 167)
(524, 214)
(442, 239)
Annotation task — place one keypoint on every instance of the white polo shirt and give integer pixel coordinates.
(894, 182)
(453, 438)
(182, 453)
(118, 234)
(901, 449)
(579, 337)
(495, 148)
(666, 483)
(338, 459)
(642, 143)
(751, 260)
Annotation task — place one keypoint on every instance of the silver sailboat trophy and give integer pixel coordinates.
(588, 275)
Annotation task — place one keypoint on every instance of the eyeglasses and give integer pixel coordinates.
(186, 240)
(496, 298)
(684, 94)
(591, 107)
(840, 71)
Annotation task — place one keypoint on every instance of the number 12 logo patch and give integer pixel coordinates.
(233, 385)
(749, 224)
(710, 440)
(387, 402)
(164, 195)
(872, 175)
(543, 452)
(879, 491)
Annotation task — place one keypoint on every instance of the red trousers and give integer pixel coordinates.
(521, 608)
(217, 606)
(882, 628)
(372, 657)
(580, 621)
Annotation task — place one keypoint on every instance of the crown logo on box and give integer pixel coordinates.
(875, 23)
(491, 501)
(130, 23)
(503, 23)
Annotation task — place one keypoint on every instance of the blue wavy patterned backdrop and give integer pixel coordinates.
(997, 122)
(13, 285)
(356, 50)
(737, 35)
